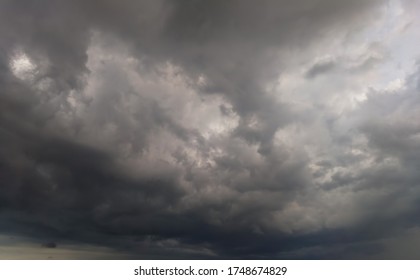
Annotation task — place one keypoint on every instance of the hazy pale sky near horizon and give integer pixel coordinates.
(210, 129)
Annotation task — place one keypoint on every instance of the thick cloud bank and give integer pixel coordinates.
(210, 129)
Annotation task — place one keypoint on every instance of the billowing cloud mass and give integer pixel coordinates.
(210, 129)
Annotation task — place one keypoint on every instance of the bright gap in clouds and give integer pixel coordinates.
(22, 66)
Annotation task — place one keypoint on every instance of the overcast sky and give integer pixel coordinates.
(210, 129)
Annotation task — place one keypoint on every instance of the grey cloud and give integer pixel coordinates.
(371, 57)
(320, 68)
(107, 145)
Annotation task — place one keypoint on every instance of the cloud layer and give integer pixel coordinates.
(210, 129)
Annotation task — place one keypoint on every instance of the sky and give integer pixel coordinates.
(234, 129)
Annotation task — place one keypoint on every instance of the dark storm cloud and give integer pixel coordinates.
(52, 32)
(78, 156)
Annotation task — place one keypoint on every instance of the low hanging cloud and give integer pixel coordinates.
(209, 129)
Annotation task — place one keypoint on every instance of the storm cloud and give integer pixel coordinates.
(210, 129)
